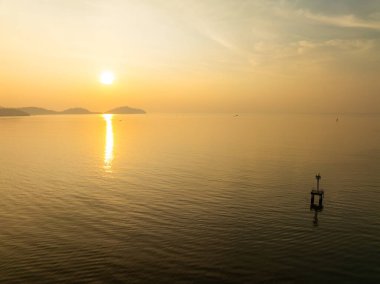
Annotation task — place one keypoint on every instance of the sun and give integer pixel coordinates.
(107, 77)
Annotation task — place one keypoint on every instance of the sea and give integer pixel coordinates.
(189, 198)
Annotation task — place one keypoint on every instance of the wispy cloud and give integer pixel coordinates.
(347, 21)
(337, 45)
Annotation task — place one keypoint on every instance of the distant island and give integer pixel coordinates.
(12, 112)
(77, 110)
(27, 111)
(37, 110)
(125, 110)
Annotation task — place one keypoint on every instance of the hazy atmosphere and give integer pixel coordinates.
(189, 141)
(192, 56)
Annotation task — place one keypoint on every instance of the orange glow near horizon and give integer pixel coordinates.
(165, 56)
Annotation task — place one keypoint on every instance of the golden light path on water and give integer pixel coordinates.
(108, 152)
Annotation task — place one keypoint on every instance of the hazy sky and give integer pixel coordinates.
(192, 55)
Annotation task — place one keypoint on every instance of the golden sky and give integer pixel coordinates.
(192, 55)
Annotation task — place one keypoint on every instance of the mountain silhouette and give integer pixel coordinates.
(12, 112)
(25, 111)
(77, 110)
(125, 110)
(37, 111)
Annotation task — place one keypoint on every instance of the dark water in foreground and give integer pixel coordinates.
(194, 199)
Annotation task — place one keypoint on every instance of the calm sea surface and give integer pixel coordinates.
(189, 199)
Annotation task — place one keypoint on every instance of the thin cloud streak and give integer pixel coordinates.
(345, 21)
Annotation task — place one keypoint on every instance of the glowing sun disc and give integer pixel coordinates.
(107, 77)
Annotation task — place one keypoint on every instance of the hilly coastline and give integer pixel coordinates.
(37, 110)
(125, 110)
(12, 112)
(28, 111)
(77, 110)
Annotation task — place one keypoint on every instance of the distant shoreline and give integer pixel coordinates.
(32, 111)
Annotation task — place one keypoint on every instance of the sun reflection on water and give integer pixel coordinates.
(108, 153)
